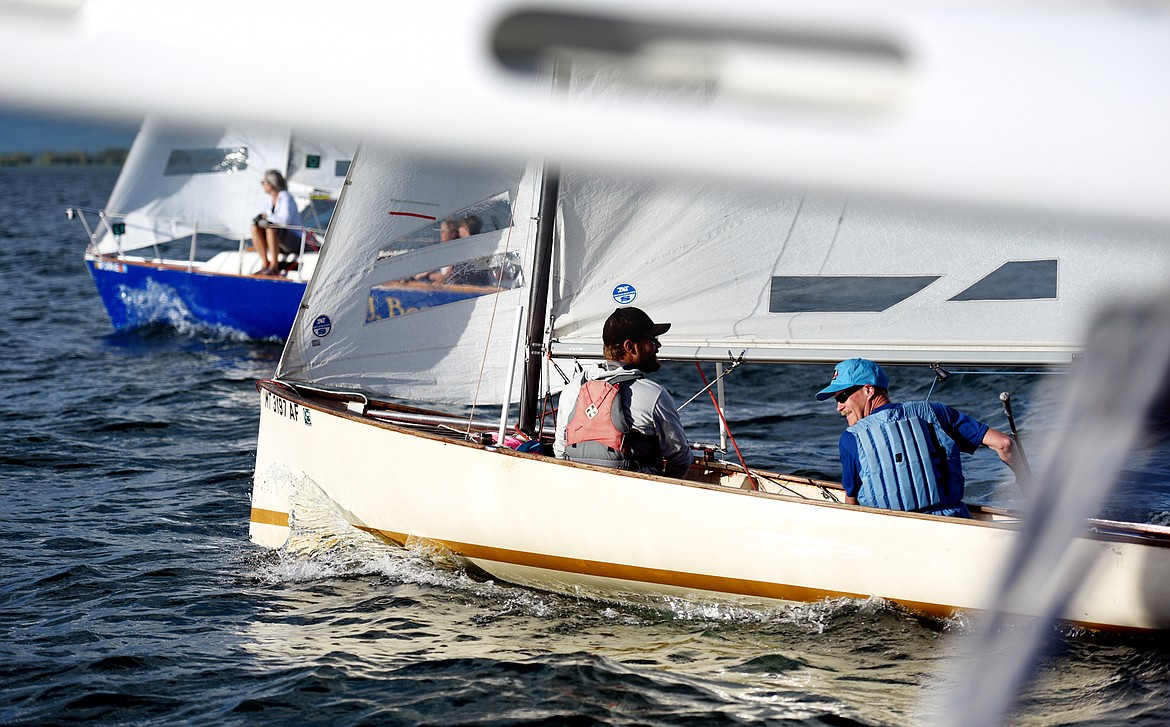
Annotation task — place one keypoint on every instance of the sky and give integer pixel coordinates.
(33, 132)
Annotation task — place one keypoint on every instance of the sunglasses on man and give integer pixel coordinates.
(841, 396)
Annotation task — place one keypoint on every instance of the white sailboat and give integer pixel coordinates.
(772, 275)
(174, 240)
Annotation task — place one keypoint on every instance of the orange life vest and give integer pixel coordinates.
(598, 424)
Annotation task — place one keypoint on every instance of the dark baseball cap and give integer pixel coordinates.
(630, 324)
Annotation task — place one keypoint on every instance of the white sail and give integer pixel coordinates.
(366, 323)
(791, 275)
(317, 165)
(178, 180)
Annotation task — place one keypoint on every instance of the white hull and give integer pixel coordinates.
(224, 263)
(537, 521)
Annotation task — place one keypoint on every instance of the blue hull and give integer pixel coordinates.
(140, 294)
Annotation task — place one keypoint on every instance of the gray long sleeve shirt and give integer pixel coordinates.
(652, 412)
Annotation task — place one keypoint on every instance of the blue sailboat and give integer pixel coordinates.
(173, 244)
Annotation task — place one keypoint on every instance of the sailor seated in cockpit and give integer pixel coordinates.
(274, 229)
(613, 416)
(904, 456)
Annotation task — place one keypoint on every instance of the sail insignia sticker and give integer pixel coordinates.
(321, 326)
(624, 293)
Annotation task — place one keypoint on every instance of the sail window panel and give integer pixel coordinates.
(1015, 280)
(842, 293)
(453, 284)
(207, 161)
(341, 167)
(488, 215)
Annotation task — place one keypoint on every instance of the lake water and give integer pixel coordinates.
(131, 594)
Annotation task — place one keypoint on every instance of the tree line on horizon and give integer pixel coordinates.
(105, 157)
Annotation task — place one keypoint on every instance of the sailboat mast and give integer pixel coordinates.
(538, 299)
(550, 190)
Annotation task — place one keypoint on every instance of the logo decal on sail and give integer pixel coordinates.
(321, 326)
(624, 293)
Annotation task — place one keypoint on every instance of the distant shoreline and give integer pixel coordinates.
(107, 157)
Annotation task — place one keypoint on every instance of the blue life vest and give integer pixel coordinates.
(907, 461)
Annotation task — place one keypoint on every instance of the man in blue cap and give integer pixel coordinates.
(904, 456)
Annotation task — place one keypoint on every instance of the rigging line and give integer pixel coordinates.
(734, 362)
(546, 410)
(941, 374)
(746, 471)
(780, 484)
(546, 407)
(557, 366)
(495, 307)
(933, 381)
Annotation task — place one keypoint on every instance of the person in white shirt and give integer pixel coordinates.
(281, 209)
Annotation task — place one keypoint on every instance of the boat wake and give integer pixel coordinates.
(814, 618)
(153, 304)
(322, 544)
(161, 306)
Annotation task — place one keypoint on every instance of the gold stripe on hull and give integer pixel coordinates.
(269, 517)
(639, 574)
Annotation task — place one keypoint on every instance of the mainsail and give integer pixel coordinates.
(806, 277)
(800, 275)
(354, 332)
(179, 181)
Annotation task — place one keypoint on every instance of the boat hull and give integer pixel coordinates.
(138, 294)
(571, 528)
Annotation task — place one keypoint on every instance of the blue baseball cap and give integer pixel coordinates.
(854, 372)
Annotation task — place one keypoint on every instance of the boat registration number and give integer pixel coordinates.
(285, 408)
(110, 266)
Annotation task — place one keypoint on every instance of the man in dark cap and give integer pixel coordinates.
(611, 415)
(904, 456)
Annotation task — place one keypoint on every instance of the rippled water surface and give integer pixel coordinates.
(131, 594)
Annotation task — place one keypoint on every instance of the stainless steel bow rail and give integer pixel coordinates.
(114, 224)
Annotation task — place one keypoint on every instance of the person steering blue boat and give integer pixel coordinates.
(904, 456)
(281, 209)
